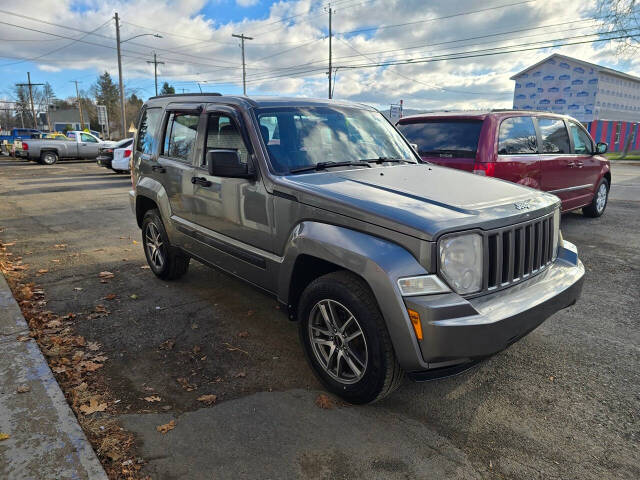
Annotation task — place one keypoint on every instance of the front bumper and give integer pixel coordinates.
(104, 161)
(459, 331)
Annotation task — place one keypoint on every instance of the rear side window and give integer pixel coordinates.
(517, 136)
(555, 138)
(147, 130)
(180, 136)
(444, 138)
(581, 140)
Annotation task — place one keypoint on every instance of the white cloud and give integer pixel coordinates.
(291, 57)
(247, 3)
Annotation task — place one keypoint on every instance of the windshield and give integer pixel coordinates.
(444, 138)
(299, 137)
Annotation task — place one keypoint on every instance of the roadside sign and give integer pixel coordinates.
(102, 114)
(395, 112)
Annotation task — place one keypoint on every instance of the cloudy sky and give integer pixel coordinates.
(63, 40)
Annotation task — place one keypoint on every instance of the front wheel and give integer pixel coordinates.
(167, 262)
(346, 340)
(599, 202)
(48, 158)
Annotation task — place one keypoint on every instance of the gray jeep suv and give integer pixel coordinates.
(389, 265)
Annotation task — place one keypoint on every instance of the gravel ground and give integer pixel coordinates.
(563, 402)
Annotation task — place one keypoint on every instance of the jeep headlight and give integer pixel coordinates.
(461, 262)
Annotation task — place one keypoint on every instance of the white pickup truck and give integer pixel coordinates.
(48, 151)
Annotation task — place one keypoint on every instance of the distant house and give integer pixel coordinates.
(61, 118)
(607, 101)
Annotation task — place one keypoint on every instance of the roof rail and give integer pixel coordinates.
(203, 94)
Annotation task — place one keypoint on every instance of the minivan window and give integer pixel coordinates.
(554, 135)
(581, 140)
(517, 136)
(180, 135)
(147, 130)
(447, 138)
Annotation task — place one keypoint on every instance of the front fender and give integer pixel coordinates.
(379, 262)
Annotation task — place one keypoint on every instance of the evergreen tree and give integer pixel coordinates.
(167, 89)
(106, 93)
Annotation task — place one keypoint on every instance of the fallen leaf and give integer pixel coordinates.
(90, 366)
(101, 309)
(134, 296)
(244, 334)
(10, 244)
(106, 275)
(196, 349)
(60, 369)
(145, 267)
(43, 270)
(208, 399)
(99, 358)
(4, 436)
(23, 389)
(153, 398)
(231, 348)
(93, 406)
(167, 344)
(111, 296)
(77, 289)
(93, 346)
(166, 427)
(54, 324)
(250, 312)
(194, 326)
(184, 383)
(60, 246)
(23, 338)
(240, 375)
(135, 242)
(324, 401)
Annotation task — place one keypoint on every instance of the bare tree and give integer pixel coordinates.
(623, 16)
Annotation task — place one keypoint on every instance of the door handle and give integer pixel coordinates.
(200, 181)
(579, 164)
(159, 169)
(571, 164)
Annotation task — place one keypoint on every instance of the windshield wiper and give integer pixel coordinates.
(324, 165)
(386, 160)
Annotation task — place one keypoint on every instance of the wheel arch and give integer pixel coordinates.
(315, 249)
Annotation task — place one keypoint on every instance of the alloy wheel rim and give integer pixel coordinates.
(154, 245)
(48, 159)
(601, 199)
(338, 341)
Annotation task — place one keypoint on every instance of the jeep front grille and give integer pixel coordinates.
(515, 253)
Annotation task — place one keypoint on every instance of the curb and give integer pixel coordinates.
(45, 440)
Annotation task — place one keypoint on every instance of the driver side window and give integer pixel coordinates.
(223, 133)
(581, 141)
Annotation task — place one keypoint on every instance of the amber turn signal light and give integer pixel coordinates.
(415, 321)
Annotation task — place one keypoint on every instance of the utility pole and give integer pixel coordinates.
(244, 71)
(30, 85)
(155, 69)
(122, 113)
(79, 103)
(330, 66)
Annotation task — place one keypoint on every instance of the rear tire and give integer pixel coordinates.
(48, 158)
(599, 203)
(165, 261)
(345, 338)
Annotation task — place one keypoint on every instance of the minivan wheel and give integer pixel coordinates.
(345, 338)
(48, 158)
(167, 262)
(599, 202)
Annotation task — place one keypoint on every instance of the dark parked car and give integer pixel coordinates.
(388, 265)
(105, 154)
(553, 153)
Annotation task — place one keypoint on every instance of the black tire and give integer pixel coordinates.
(382, 373)
(596, 208)
(48, 158)
(174, 263)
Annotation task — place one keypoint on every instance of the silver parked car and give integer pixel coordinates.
(389, 265)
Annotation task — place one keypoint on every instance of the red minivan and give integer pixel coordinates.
(550, 152)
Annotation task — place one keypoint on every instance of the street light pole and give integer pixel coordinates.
(121, 83)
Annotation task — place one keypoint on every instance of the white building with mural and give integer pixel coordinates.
(606, 100)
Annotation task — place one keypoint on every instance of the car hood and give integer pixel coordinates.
(420, 200)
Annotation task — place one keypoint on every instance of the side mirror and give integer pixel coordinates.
(602, 147)
(226, 163)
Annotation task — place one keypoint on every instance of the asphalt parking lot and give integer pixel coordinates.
(562, 403)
